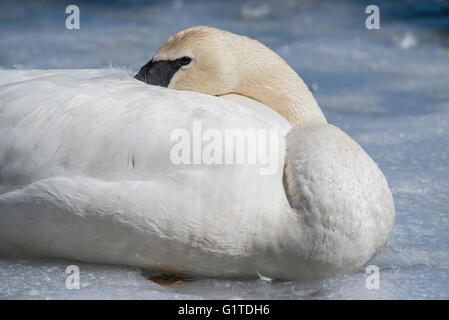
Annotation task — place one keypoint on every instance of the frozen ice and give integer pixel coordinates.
(387, 88)
(26, 279)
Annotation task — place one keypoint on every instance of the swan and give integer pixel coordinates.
(86, 173)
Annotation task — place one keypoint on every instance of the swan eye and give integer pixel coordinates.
(185, 60)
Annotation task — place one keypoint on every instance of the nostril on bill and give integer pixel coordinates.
(140, 77)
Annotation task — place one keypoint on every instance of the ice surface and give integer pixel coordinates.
(388, 89)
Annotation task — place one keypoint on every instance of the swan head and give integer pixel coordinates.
(217, 62)
(197, 59)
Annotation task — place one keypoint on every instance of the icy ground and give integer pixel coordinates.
(388, 89)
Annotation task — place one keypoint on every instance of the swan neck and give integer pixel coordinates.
(278, 86)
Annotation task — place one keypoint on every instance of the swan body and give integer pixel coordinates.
(86, 174)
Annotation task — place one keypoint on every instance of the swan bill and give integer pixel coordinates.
(158, 73)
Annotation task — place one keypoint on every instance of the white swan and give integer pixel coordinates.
(85, 170)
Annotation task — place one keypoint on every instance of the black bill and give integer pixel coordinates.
(158, 73)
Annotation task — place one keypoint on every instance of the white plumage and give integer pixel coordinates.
(85, 174)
